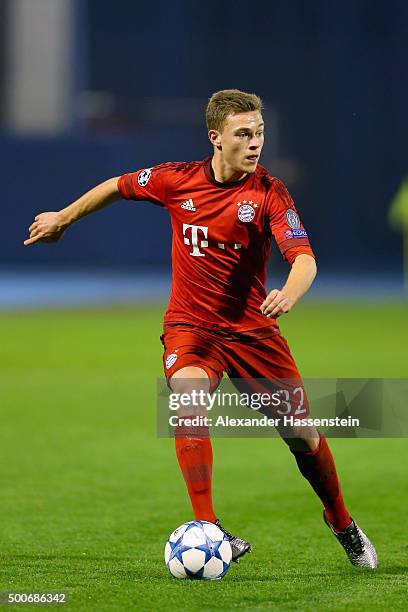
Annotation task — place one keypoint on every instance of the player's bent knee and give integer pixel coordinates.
(192, 384)
(300, 439)
(188, 379)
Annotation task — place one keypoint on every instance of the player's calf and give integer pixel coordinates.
(193, 444)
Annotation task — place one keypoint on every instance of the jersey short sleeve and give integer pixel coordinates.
(285, 224)
(150, 184)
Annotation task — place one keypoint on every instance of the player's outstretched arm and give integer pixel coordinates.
(49, 226)
(301, 277)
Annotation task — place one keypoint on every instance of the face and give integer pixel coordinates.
(240, 141)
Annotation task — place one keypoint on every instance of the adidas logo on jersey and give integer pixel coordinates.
(188, 205)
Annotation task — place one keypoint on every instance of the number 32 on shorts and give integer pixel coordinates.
(299, 398)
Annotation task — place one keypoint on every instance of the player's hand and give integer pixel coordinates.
(47, 227)
(276, 303)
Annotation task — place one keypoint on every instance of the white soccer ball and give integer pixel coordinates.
(198, 549)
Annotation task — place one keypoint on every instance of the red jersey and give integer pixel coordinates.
(221, 240)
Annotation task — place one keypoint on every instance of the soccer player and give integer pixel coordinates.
(224, 212)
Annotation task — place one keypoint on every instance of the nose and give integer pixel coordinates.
(255, 142)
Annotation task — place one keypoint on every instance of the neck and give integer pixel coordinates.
(223, 173)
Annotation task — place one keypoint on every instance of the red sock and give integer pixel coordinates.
(319, 469)
(195, 459)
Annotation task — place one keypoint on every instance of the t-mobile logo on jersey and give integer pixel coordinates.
(194, 238)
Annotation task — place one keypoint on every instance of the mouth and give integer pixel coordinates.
(252, 159)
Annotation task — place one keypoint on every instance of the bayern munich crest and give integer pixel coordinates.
(246, 212)
(171, 360)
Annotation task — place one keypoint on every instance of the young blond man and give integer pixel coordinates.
(225, 210)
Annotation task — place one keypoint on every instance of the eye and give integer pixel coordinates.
(260, 134)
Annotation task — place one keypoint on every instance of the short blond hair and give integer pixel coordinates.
(229, 102)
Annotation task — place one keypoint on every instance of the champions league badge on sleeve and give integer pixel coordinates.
(144, 176)
(246, 212)
(292, 219)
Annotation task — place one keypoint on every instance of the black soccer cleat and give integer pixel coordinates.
(359, 549)
(239, 547)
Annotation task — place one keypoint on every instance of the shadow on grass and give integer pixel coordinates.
(349, 575)
(392, 570)
(129, 566)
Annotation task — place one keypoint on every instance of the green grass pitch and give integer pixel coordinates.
(89, 493)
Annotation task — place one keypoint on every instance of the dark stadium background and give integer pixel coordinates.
(90, 89)
(136, 79)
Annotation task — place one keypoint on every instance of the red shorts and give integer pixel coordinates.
(240, 356)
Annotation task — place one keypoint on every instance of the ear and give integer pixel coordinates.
(215, 138)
